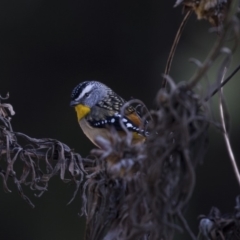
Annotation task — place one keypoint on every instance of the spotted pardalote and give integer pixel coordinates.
(99, 108)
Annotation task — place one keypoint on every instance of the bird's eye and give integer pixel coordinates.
(87, 94)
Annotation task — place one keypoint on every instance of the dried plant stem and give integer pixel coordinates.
(186, 226)
(208, 62)
(216, 48)
(226, 137)
(222, 83)
(174, 46)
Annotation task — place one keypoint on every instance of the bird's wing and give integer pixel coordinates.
(101, 118)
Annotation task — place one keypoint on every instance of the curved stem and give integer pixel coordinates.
(226, 137)
(174, 46)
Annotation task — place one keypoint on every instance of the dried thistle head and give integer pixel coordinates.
(212, 10)
(219, 226)
(120, 156)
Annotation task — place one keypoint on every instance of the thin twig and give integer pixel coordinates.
(222, 84)
(186, 226)
(208, 61)
(174, 46)
(226, 137)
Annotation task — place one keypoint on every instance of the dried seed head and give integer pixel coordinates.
(212, 10)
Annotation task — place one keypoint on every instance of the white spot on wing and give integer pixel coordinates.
(129, 125)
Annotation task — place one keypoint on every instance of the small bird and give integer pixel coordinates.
(99, 108)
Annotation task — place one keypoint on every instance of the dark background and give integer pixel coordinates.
(47, 47)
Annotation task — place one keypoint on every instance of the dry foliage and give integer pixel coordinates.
(133, 191)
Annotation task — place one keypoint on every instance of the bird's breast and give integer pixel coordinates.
(93, 132)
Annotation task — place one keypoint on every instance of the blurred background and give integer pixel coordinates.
(48, 47)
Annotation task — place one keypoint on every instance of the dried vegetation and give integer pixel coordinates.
(141, 191)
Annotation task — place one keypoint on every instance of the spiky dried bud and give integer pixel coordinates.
(220, 226)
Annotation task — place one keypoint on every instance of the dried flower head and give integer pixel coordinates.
(219, 226)
(212, 10)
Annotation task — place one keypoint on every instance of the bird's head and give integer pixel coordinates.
(86, 95)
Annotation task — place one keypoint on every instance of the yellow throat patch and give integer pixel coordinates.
(82, 111)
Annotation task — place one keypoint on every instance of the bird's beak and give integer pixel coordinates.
(81, 110)
(73, 103)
